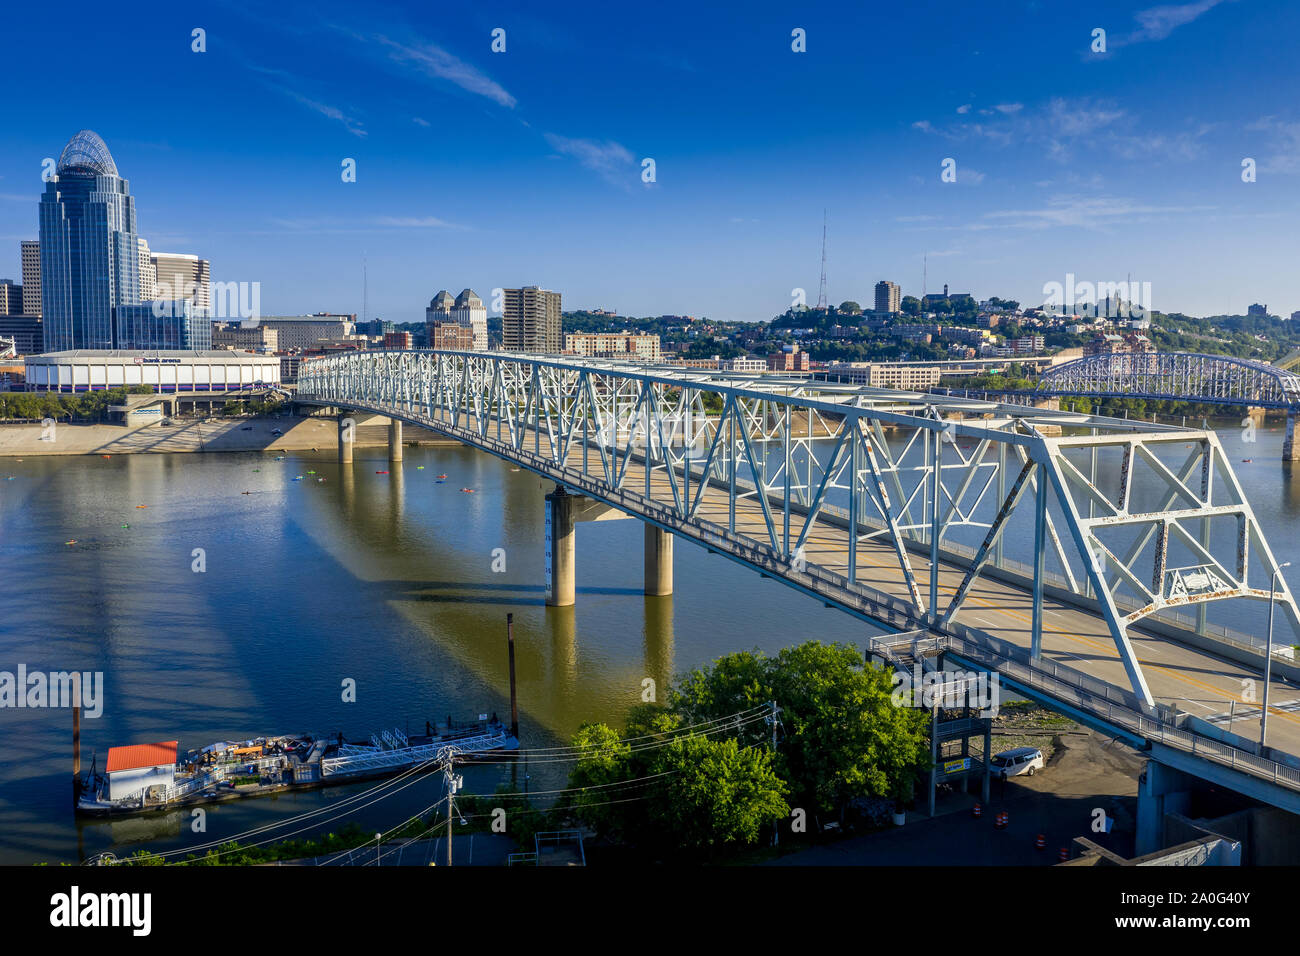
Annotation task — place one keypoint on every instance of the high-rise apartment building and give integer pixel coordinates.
(889, 297)
(31, 277)
(531, 320)
(89, 255)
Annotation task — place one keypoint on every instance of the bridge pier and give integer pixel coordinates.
(394, 439)
(563, 512)
(347, 434)
(1290, 448)
(658, 561)
(1161, 790)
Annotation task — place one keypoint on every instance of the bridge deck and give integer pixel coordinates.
(1193, 680)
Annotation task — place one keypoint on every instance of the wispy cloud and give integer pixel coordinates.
(1285, 144)
(419, 121)
(612, 161)
(1156, 23)
(415, 222)
(288, 85)
(1089, 212)
(434, 61)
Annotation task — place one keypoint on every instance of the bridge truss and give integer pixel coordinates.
(1175, 376)
(894, 505)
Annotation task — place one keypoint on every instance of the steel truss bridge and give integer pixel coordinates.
(1175, 376)
(1079, 555)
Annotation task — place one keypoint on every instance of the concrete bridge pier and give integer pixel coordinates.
(394, 439)
(658, 561)
(563, 512)
(1290, 447)
(1161, 790)
(347, 437)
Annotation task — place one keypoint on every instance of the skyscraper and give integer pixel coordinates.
(531, 320)
(181, 276)
(888, 296)
(89, 254)
(148, 272)
(469, 312)
(31, 277)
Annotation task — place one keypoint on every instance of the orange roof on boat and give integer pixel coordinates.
(138, 756)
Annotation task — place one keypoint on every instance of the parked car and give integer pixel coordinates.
(1010, 763)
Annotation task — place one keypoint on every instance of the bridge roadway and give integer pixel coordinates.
(1193, 680)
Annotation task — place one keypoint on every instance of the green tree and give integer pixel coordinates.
(843, 736)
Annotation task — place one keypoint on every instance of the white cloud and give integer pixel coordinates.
(611, 160)
(436, 62)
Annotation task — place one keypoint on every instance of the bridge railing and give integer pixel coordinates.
(1098, 699)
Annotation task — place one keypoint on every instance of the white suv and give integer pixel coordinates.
(1009, 763)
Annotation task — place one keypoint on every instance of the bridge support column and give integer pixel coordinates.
(1161, 790)
(394, 439)
(563, 512)
(1290, 447)
(347, 434)
(561, 552)
(658, 561)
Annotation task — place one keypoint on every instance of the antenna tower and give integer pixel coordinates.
(821, 293)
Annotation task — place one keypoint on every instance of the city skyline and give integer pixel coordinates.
(513, 168)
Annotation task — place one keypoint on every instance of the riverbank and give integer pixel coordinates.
(193, 435)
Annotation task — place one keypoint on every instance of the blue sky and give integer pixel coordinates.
(486, 169)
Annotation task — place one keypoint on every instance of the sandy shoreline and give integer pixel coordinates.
(199, 435)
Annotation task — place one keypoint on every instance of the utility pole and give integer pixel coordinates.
(776, 827)
(453, 783)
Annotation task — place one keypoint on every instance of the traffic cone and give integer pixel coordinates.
(1040, 842)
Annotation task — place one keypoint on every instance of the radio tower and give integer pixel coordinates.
(821, 293)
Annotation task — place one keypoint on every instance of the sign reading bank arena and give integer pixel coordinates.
(92, 371)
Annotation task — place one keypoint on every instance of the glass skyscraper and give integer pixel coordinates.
(89, 250)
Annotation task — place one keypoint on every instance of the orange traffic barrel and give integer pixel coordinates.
(976, 810)
(1001, 821)
(1064, 855)
(1040, 842)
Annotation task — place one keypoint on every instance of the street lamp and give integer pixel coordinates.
(1268, 654)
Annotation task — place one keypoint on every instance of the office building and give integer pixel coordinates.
(162, 324)
(304, 332)
(790, 359)
(89, 253)
(469, 311)
(909, 378)
(641, 347)
(889, 297)
(256, 338)
(450, 336)
(11, 297)
(31, 277)
(531, 320)
(148, 272)
(180, 276)
(397, 340)
(26, 331)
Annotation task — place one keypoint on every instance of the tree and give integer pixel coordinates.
(685, 792)
(911, 305)
(843, 736)
(850, 307)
